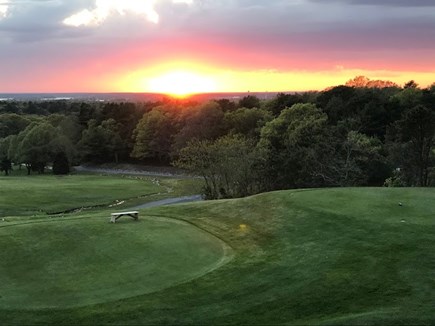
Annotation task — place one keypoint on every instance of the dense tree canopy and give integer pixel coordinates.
(366, 132)
(38, 145)
(100, 142)
(298, 146)
(203, 122)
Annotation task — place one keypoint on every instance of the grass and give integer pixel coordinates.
(47, 194)
(329, 256)
(79, 262)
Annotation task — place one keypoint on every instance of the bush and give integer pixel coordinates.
(395, 180)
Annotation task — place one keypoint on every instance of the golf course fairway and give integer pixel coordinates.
(78, 262)
(341, 256)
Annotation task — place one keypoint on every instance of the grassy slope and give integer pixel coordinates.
(336, 256)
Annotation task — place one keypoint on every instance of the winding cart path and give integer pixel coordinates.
(162, 202)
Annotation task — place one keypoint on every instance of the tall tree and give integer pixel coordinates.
(229, 165)
(226, 104)
(153, 136)
(38, 145)
(247, 122)
(249, 102)
(298, 147)
(359, 160)
(12, 124)
(203, 122)
(282, 101)
(100, 142)
(362, 81)
(68, 125)
(416, 132)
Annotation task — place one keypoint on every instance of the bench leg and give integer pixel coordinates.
(134, 216)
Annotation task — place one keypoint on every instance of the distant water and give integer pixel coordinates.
(123, 97)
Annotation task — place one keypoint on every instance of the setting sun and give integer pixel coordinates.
(181, 83)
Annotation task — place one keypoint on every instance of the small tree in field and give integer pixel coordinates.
(61, 164)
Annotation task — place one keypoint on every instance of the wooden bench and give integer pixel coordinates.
(115, 216)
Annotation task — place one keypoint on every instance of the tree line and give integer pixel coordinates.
(364, 133)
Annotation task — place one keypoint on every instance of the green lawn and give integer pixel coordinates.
(42, 194)
(329, 256)
(78, 262)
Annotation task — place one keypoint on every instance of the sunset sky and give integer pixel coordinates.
(212, 45)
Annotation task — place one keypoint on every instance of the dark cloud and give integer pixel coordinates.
(38, 20)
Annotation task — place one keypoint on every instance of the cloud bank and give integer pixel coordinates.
(63, 40)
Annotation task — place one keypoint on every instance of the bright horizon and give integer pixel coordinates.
(191, 46)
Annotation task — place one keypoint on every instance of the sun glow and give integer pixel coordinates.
(181, 84)
(181, 78)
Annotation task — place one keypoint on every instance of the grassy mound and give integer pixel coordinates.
(329, 256)
(60, 264)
